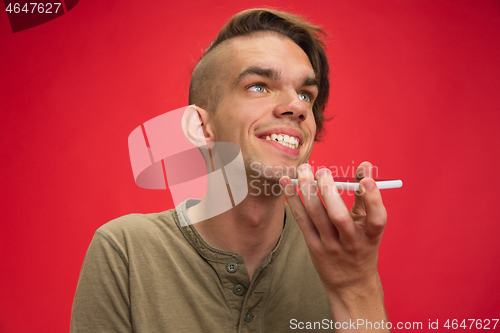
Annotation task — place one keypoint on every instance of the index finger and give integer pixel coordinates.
(376, 214)
(335, 206)
(298, 210)
(364, 170)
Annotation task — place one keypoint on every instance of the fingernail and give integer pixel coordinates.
(284, 182)
(303, 169)
(369, 185)
(322, 173)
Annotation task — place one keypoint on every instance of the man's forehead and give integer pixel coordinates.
(262, 43)
(266, 54)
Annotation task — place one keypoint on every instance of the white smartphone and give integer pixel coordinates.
(350, 183)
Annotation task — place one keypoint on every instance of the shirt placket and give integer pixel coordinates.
(245, 298)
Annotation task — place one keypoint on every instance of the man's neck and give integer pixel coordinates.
(251, 229)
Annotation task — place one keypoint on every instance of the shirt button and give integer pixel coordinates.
(231, 267)
(249, 317)
(238, 290)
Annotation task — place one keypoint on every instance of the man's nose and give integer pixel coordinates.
(291, 106)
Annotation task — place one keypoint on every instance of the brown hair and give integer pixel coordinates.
(202, 91)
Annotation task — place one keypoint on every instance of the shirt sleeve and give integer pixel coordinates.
(102, 299)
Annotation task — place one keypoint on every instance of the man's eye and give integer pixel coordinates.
(305, 97)
(258, 88)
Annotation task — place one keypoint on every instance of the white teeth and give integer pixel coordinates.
(285, 140)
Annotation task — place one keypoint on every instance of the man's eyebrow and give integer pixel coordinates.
(268, 73)
(310, 81)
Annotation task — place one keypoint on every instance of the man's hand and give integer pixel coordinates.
(343, 244)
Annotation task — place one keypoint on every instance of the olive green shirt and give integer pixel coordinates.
(146, 273)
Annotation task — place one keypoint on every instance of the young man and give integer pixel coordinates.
(261, 266)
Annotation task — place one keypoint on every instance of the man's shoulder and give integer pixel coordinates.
(137, 221)
(134, 228)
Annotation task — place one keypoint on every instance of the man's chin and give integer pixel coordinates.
(264, 181)
(269, 173)
(264, 187)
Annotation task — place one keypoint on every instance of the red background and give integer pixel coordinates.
(415, 90)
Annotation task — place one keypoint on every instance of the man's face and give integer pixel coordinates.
(266, 108)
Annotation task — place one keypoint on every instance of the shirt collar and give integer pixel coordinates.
(210, 253)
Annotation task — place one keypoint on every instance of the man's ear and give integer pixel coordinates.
(194, 126)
